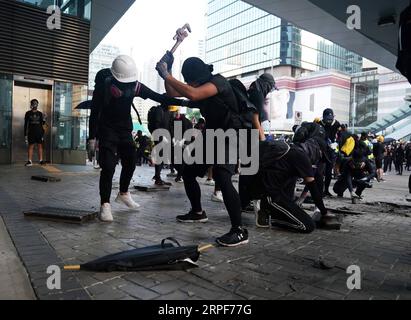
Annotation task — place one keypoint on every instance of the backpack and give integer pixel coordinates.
(272, 151)
(242, 116)
(155, 118)
(308, 130)
(404, 44)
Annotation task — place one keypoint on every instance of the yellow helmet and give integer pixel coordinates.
(381, 139)
(173, 108)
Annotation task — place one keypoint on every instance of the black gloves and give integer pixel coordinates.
(169, 59)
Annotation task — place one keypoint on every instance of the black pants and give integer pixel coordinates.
(400, 166)
(110, 152)
(328, 174)
(342, 185)
(243, 184)
(387, 164)
(222, 175)
(286, 214)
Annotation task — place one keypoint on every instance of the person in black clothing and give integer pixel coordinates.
(111, 124)
(257, 93)
(186, 125)
(162, 118)
(357, 173)
(214, 96)
(34, 132)
(275, 184)
(142, 144)
(388, 159)
(400, 156)
(379, 150)
(331, 127)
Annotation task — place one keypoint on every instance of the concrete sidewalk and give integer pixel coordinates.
(14, 281)
(276, 264)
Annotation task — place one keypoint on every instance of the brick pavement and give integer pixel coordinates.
(275, 265)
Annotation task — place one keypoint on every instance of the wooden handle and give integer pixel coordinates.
(205, 248)
(72, 268)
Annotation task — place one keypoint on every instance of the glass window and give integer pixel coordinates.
(69, 124)
(77, 8)
(6, 87)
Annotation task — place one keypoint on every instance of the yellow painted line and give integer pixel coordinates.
(52, 169)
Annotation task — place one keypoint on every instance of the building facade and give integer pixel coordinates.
(40, 60)
(242, 39)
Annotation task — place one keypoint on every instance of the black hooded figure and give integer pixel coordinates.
(214, 96)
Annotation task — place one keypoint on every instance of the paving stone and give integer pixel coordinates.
(139, 292)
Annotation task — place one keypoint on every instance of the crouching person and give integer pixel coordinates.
(280, 167)
(357, 172)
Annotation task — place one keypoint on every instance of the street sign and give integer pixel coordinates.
(298, 117)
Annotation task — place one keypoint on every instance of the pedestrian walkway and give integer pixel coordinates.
(275, 265)
(15, 284)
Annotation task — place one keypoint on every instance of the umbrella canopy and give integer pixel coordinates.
(165, 256)
(85, 105)
(388, 140)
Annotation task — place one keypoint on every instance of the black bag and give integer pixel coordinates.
(308, 130)
(155, 118)
(404, 44)
(271, 151)
(242, 116)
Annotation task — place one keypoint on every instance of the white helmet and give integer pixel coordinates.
(124, 69)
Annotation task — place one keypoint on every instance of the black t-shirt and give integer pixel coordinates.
(281, 176)
(215, 109)
(257, 98)
(379, 150)
(331, 130)
(33, 123)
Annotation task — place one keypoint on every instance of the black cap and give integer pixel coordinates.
(269, 79)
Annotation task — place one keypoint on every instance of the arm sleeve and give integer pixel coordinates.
(349, 181)
(146, 93)
(98, 102)
(317, 197)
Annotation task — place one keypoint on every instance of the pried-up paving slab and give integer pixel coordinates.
(61, 215)
(45, 178)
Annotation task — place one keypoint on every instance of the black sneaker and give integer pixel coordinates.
(262, 216)
(28, 164)
(235, 237)
(161, 183)
(192, 217)
(179, 180)
(328, 194)
(42, 163)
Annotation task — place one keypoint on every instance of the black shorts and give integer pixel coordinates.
(35, 138)
(378, 163)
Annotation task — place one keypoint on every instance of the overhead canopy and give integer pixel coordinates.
(328, 19)
(105, 14)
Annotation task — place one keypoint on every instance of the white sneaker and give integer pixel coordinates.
(105, 213)
(209, 182)
(217, 197)
(127, 200)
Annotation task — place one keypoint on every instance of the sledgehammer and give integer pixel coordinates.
(181, 34)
